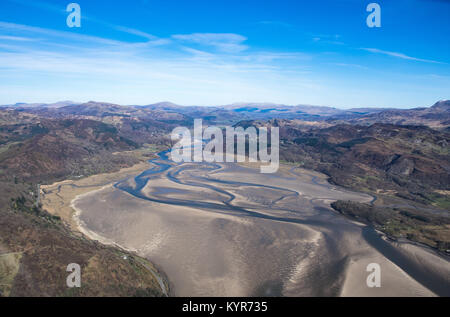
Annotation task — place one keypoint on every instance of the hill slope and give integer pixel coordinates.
(36, 247)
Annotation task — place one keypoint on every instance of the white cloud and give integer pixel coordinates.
(328, 39)
(61, 10)
(275, 23)
(85, 67)
(224, 42)
(350, 65)
(15, 38)
(135, 32)
(21, 28)
(399, 55)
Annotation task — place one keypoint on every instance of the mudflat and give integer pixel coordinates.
(227, 230)
(57, 197)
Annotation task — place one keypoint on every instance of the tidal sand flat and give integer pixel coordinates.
(227, 230)
(56, 198)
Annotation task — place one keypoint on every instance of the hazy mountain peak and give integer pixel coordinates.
(442, 104)
(164, 104)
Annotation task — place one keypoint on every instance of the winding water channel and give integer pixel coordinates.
(227, 230)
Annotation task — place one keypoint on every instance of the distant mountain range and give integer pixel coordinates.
(400, 157)
(436, 116)
(58, 104)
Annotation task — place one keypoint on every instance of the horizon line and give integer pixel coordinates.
(223, 105)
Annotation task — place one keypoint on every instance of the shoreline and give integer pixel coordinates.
(57, 201)
(81, 225)
(103, 240)
(353, 271)
(65, 208)
(95, 236)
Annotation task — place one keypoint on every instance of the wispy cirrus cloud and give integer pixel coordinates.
(275, 23)
(202, 67)
(61, 9)
(134, 32)
(16, 38)
(54, 36)
(350, 65)
(51, 34)
(42, 5)
(400, 55)
(328, 39)
(224, 42)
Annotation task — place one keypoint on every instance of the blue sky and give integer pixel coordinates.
(219, 52)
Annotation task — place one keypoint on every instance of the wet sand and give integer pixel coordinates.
(227, 230)
(56, 198)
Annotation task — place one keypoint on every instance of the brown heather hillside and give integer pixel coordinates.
(412, 161)
(405, 168)
(139, 124)
(13, 117)
(36, 247)
(54, 149)
(424, 227)
(436, 116)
